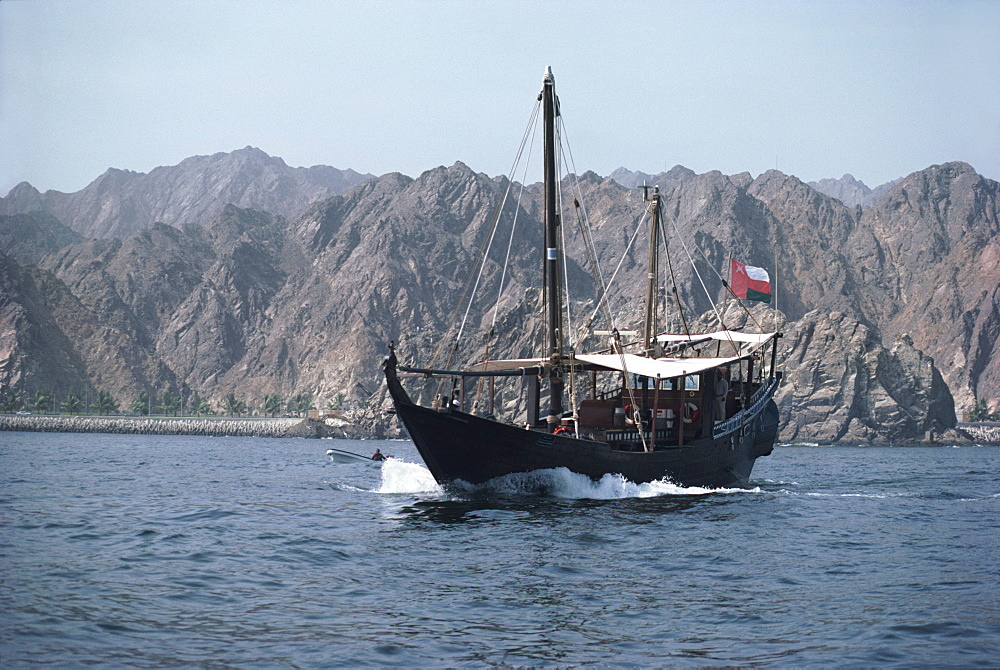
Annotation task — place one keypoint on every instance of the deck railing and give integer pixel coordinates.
(754, 407)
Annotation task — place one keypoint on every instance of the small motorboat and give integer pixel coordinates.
(349, 457)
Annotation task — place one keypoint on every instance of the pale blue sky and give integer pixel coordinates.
(816, 89)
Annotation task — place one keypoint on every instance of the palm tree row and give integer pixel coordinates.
(43, 402)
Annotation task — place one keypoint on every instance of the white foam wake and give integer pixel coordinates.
(562, 483)
(402, 477)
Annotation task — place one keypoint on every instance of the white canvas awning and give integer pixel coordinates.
(640, 365)
(662, 368)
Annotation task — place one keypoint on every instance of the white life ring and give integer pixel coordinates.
(689, 413)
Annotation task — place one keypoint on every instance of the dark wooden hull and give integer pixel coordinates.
(459, 446)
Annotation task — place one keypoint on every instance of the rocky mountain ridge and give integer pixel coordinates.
(851, 191)
(847, 189)
(635, 179)
(120, 203)
(891, 313)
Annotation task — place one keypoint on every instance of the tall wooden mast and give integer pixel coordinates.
(550, 107)
(652, 269)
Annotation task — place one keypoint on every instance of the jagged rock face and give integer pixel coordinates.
(807, 226)
(120, 203)
(49, 340)
(841, 383)
(31, 345)
(852, 192)
(390, 261)
(930, 252)
(921, 262)
(28, 237)
(630, 179)
(254, 304)
(22, 199)
(133, 285)
(226, 307)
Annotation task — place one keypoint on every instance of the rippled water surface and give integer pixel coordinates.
(157, 551)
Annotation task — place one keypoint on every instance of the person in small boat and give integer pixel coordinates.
(721, 391)
(378, 455)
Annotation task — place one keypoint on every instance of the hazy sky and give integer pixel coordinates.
(816, 89)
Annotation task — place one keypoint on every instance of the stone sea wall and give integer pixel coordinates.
(216, 427)
(983, 433)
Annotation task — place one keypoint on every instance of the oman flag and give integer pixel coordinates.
(750, 283)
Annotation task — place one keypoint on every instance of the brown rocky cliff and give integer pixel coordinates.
(253, 303)
(931, 254)
(842, 383)
(27, 238)
(389, 262)
(851, 191)
(120, 203)
(50, 340)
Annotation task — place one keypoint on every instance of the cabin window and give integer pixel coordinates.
(692, 382)
(651, 382)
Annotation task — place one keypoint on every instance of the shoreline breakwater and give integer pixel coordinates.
(210, 427)
(982, 432)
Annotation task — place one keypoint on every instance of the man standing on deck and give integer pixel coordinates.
(721, 391)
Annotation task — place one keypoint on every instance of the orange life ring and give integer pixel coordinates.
(629, 417)
(690, 412)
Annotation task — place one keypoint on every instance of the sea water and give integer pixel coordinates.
(184, 551)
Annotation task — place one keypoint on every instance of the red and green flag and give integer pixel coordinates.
(749, 283)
